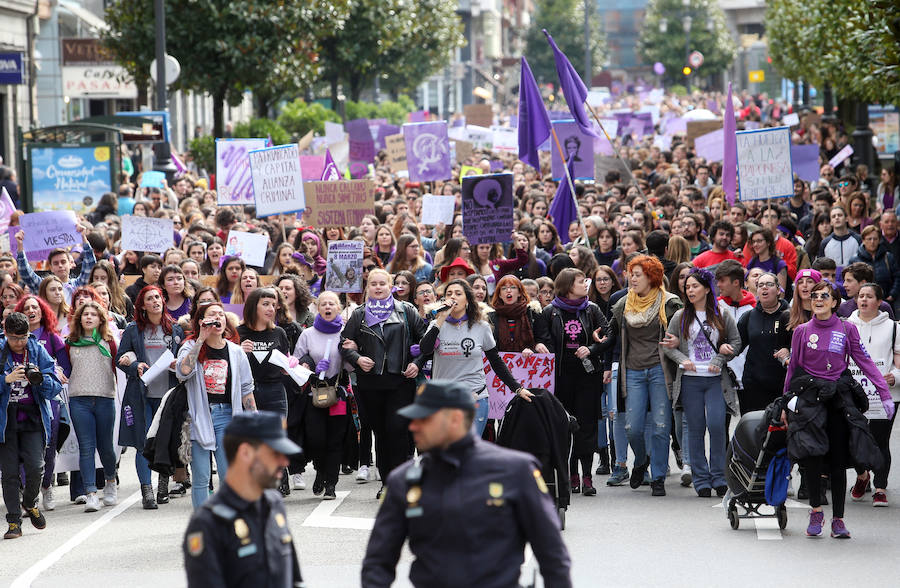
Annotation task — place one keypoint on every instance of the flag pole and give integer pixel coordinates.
(615, 149)
(562, 156)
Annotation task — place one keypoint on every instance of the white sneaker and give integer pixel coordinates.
(92, 504)
(297, 482)
(110, 493)
(362, 474)
(686, 475)
(81, 499)
(374, 474)
(47, 494)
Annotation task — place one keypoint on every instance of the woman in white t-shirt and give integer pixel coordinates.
(459, 338)
(706, 340)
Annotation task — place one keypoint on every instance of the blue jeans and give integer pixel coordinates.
(704, 407)
(646, 391)
(200, 465)
(681, 433)
(607, 405)
(140, 462)
(94, 418)
(482, 408)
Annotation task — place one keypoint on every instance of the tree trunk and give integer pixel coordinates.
(219, 113)
(356, 87)
(334, 97)
(262, 105)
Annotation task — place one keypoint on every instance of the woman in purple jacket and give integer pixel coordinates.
(820, 348)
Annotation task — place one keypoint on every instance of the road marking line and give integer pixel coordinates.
(31, 574)
(767, 530)
(321, 516)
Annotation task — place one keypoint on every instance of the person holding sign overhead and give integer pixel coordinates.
(60, 262)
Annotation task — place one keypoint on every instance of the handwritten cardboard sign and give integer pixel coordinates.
(142, 233)
(251, 247)
(538, 371)
(764, 164)
(695, 128)
(234, 184)
(479, 115)
(339, 204)
(463, 150)
(46, 231)
(395, 146)
(277, 180)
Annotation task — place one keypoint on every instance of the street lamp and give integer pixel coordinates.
(686, 23)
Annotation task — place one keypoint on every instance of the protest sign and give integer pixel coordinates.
(427, 151)
(46, 231)
(604, 164)
(468, 170)
(7, 208)
(361, 147)
(577, 145)
(463, 150)
(505, 139)
(385, 131)
(458, 133)
(791, 120)
(251, 247)
(841, 155)
(437, 209)
(480, 137)
(234, 184)
(312, 167)
(538, 371)
(152, 179)
(418, 116)
(277, 180)
(142, 233)
(764, 164)
(675, 126)
(479, 115)
(876, 408)
(695, 128)
(487, 204)
(344, 273)
(334, 132)
(339, 204)
(711, 146)
(396, 151)
(805, 162)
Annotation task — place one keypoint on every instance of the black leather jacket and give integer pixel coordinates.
(388, 343)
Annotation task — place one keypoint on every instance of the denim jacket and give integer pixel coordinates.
(48, 389)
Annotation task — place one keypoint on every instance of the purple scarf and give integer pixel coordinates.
(570, 305)
(328, 327)
(378, 311)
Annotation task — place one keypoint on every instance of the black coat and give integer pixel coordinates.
(550, 331)
(164, 443)
(388, 343)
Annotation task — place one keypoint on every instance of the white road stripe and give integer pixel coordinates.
(767, 529)
(31, 574)
(321, 516)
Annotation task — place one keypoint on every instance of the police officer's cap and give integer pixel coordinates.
(435, 395)
(263, 426)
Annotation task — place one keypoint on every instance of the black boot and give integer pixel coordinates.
(162, 490)
(603, 468)
(147, 499)
(285, 486)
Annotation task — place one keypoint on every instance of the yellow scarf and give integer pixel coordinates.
(641, 310)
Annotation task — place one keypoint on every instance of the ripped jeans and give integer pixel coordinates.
(647, 397)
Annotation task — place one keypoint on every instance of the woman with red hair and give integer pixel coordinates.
(42, 324)
(513, 318)
(640, 320)
(145, 340)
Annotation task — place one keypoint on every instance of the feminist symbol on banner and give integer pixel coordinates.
(428, 149)
(488, 193)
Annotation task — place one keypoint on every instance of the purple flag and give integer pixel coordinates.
(385, 130)
(331, 172)
(805, 161)
(176, 161)
(562, 209)
(729, 165)
(427, 151)
(534, 124)
(573, 88)
(362, 147)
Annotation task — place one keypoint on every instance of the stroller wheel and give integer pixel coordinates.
(733, 518)
(782, 517)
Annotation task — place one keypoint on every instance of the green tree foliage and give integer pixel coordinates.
(226, 47)
(564, 20)
(203, 150)
(299, 117)
(262, 127)
(394, 112)
(854, 44)
(709, 36)
(408, 38)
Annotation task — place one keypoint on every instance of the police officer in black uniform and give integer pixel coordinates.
(467, 506)
(239, 537)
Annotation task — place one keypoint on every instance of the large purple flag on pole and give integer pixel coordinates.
(729, 165)
(534, 123)
(562, 209)
(331, 172)
(572, 86)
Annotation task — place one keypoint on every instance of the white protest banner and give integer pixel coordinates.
(764, 164)
(277, 180)
(251, 247)
(791, 120)
(505, 139)
(142, 233)
(480, 137)
(538, 371)
(46, 231)
(841, 155)
(344, 273)
(334, 132)
(711, 146)
(437, 209)
(234, 185)
(458, 133)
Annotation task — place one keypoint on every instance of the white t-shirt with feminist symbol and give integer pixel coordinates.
(701, 352)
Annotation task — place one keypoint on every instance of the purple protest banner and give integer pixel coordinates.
(676, 125)
(311, 167)
(234, 184)
(537, 371)
(487, 207)
(711, 146)
(496, 165)
(427, 151)
(46, 231)
(362, 147)
(805, 162)
(575, 144)
(385, 130)
(7, 208)
(624, 119)
(418, 116)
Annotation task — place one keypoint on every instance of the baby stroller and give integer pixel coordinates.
(542, 428)
(759, 436)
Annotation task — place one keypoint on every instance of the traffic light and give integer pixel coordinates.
(686, 70)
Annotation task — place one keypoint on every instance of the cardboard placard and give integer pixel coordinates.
(339, 204)
(438, 209)
(396, 151)
(141, 233)
(696, 128)
(479, 115)
(464, 150)
(46, 231)
(764, 164)
(251, 247)
(538, 371)
(427, 151)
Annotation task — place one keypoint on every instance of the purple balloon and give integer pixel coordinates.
(659, 69)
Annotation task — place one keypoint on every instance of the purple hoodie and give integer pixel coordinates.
(821, 348)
